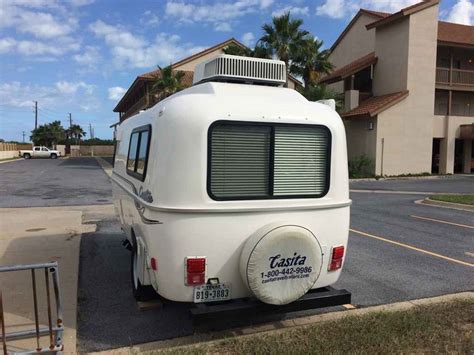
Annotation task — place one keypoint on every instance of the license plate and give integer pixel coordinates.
(211, 293)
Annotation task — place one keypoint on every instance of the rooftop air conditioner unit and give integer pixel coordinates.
(231, 68)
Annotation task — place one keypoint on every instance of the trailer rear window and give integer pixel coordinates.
(255, 161)
(138, 152)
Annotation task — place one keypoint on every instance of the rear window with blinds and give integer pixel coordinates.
(253, 161)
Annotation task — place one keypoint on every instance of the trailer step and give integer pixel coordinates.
(318, 298)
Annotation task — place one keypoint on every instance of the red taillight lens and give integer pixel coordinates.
(195, 271)
(336, 258)
(153, 264)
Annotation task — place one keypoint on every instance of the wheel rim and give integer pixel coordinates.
(134, 270)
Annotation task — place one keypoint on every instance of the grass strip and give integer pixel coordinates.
(439, 328)
(462, 199)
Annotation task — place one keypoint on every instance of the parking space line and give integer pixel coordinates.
(412, 248)
(444, 222)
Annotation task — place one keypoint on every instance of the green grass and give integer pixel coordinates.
(463, 199)
(440, 328)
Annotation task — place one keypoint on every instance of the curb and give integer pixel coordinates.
(451, 205)
(9, 160)
(105, 165)
(195, 340)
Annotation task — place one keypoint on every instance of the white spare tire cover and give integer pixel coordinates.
(280, 263)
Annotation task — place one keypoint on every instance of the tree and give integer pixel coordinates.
(48, 134)
(167, 82)
(283, 38)
(310, 62)
(322, 92)
(76, 132)
(258, 52)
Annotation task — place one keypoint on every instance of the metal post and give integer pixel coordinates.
(2, 319)
(35, 302)
(48, 297)
(55, 275)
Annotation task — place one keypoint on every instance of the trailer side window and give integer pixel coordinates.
(253, 161)
(138, 152)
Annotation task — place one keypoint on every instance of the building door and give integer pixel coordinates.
(458, 156)
(435, 156)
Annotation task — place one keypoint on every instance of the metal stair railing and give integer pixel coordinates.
(55, 332)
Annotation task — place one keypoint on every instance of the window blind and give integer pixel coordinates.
(300, 160)
(240, 160)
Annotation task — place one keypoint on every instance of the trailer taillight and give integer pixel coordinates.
(195, 271)
(337, 255)
(153, 264)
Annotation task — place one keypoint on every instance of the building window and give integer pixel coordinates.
(441, 102)
(254, 161)
(138, 152)
(462, 104)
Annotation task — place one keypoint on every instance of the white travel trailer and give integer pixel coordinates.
(235, 187)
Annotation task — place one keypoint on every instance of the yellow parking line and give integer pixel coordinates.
(412, 248)
(441, 221)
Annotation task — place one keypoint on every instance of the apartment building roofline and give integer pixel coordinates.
(376, 104)
(407, 11)
(349, 69)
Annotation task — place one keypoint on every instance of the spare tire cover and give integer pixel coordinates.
(280, 263)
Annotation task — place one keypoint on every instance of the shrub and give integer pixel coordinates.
(361, 167)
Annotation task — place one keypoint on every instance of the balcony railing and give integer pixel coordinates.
(455, 76)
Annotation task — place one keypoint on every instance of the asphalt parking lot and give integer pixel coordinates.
(53, 182)
(398, 250)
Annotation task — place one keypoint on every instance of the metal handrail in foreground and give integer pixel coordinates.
(55, 333)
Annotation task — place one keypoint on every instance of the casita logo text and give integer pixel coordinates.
(278, 261)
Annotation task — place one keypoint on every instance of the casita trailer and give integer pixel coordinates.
(233, 188)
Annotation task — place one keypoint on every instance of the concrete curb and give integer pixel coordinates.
(427, 177)
(454, 206)
(105, 165)
(9, 160)
(280, 326)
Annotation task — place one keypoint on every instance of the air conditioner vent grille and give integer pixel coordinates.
(241, 69)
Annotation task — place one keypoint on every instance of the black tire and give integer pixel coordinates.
(27, 156)
(140, 292)
(53, 156)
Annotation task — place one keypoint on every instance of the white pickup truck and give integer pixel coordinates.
(39, 152)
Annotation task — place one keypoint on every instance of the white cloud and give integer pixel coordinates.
(248, 39)
(74, 94)
(116, 93)
(462, 12)
(150, 18)
(69, 87)
(218, 11)
(36, 23)
(223, 27)
(81, 2)
(89, 57)
(134, 51)
(294, 11)
(342, 8)
(38, 48)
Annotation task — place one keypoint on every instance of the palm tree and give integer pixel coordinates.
(48, 134)
(76, 132)
(167, 82)
(283, 38)
(310, 61)
(258, 52)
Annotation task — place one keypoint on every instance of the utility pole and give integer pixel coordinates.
(23, 136)
(70, 120)
(90, 131)
(36, 114)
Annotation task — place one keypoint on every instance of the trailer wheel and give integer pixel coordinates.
(27, 156)
(140, 292)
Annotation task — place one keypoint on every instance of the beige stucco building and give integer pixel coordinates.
(408, 84)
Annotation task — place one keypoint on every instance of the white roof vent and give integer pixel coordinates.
(232, 68)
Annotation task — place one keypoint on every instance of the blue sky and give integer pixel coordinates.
(79, 56)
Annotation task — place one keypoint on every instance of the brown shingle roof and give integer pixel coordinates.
(187, 78)
(454, 33)
(373, 13)
(349, 69)
(407, 11)
(376, 104)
